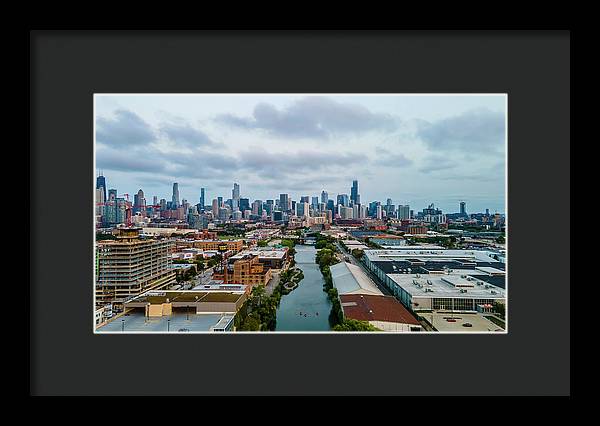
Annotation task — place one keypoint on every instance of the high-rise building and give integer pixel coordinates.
(379, 212)
(487, 212)
(342, 199)
(304, 199)
(404, 212)
(244, 204)
(154, 200)
(99, 201)
(324, 197)
(269, 207)
(139, 202)
(354, 192)
(303, 209)
(235, 197)
(463, 208)
(284, 202)
(220, 200)
(202, 201)
(112, 194)
(175, 198)
(215, 208)
(163, 204)
(257, 207)
(101, 184)
(128, 266)
(315, 203)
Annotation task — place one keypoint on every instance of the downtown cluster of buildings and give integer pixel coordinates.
(320, 211)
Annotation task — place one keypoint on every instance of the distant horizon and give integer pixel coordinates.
(208, 200)
(416, 150)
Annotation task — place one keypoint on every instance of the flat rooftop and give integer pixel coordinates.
(186, 296)
(366, 307)
(176, 323)
(446, 286)
(478, 322)
(431, 253)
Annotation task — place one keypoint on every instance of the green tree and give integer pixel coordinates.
(499, 308)
(355, 325)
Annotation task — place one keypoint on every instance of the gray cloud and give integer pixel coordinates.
(391, 159)
(184, 134)
(435, 163)
(272, 164)
(312, 117)
(124, 130)
(110, 159)
(478, 130)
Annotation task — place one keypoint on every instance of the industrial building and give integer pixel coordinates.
(383, 312)
(129, 266)
(350, 279)
(271, 257)
(432, 279)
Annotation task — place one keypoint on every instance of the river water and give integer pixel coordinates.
(306, 308)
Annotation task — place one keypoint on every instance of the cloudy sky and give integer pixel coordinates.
(413, 149)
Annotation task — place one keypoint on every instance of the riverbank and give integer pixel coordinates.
(306, 308)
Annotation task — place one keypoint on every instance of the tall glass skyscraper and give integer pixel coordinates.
(324, 197)
(202, 199)
(101, 183)
(354, 197)
(235, 197)
(175, 199)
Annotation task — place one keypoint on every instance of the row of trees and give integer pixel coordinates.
(259, 312)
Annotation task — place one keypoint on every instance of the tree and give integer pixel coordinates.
(263, 243)
(355, 325)
(251, 323)
(357, 253)
(499, 308)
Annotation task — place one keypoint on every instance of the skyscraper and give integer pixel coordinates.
(235, 197)
(175, 198)
(354, 192)
(315, 203)
(463, 209)
(342, 199)
(284, 202)
(324, 197)
(101, 184)
(202, 199)
(215, 208)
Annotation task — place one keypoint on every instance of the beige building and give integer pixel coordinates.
(129, 266)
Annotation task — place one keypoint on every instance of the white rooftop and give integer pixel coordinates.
(351, 279)
(446, 286)
(428, 253)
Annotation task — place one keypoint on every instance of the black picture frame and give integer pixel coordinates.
(67, 67)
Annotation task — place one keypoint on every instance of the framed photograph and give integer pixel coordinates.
(246, 213)
(282, 213)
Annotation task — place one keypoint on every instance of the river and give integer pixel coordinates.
(306, 308)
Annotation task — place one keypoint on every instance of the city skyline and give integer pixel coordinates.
(415, 150)
(208, 201)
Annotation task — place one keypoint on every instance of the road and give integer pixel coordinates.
(203, 278)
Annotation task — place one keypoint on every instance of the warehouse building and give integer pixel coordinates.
(451, 280)
(383, 312)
